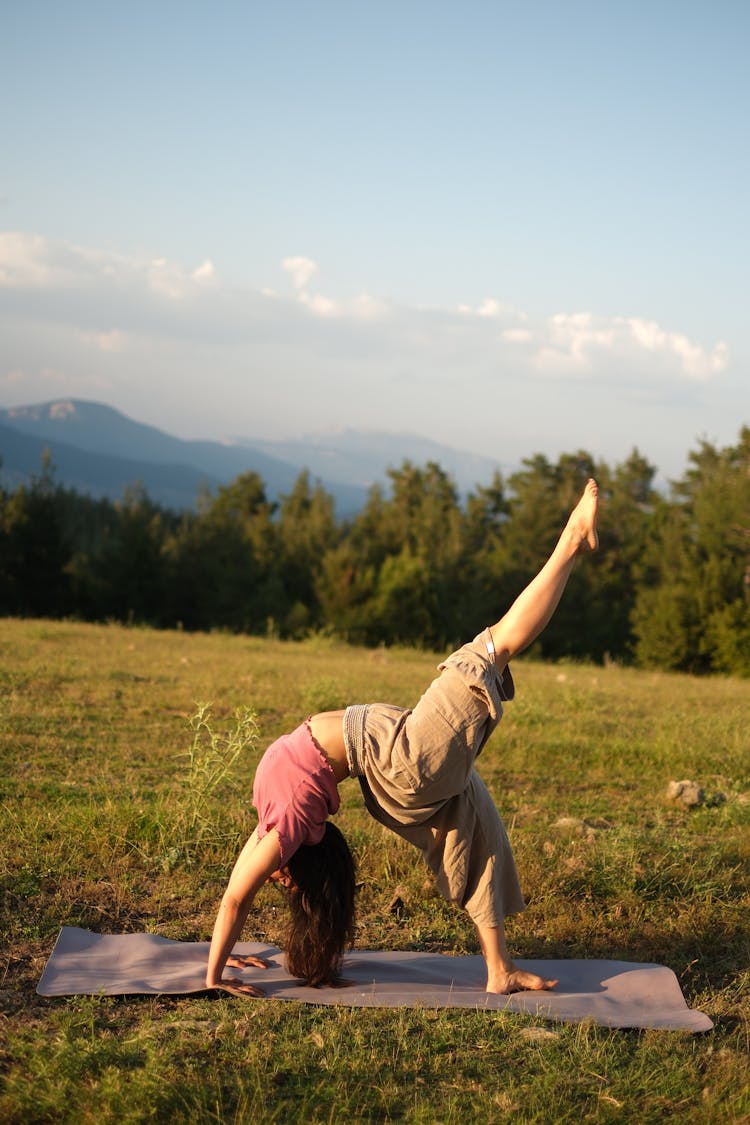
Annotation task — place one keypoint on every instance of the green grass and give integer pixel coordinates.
(101, 826)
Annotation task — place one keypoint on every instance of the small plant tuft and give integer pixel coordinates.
(210, 774)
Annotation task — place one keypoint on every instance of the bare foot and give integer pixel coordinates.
(517, 980)
(582, 522)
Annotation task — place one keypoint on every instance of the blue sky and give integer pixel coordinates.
(513, 228)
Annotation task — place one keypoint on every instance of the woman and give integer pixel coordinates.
(416, 771)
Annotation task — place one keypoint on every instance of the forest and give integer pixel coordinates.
(669, 588)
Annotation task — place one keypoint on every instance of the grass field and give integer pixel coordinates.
(103, 826)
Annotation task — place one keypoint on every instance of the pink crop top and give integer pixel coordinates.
(294, 791)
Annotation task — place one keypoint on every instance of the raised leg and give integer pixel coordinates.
(534, 606)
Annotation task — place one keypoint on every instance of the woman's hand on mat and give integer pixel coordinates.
(239, 987)
(236, 984)
(246, 961)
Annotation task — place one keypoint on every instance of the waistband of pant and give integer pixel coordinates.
(354, 737)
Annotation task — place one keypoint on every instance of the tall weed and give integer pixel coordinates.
(198, 821)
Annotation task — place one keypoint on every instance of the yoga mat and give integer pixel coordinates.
(608, 993)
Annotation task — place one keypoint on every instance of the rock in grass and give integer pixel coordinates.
(572, 824)
(576, 826)
(539, 1034)
(687, 793)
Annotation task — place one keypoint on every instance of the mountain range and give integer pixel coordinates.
(98, 451)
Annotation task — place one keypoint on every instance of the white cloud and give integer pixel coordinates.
(571, 342)
(29, 261)
(361, 308)
(499, 310)
(580, 343)
(113, 341)
(563, 343)
(301, 270)
(22, 260)
(695, 360)
(132, 291)
(205, 273)
(368, 308)
(321, 306)
(493, 309)
(170, 280)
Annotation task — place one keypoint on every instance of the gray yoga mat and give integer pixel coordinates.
(609, 993)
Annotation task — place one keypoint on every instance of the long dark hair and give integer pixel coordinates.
(321, 923)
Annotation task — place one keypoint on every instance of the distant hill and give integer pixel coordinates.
(94, 474)
(102, 430)
(99, 451)
(361, 458)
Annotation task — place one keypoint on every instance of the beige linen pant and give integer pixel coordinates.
(416, 771)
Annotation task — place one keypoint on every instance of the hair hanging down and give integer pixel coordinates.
(321, 925)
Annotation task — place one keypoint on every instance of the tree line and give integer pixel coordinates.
(670, 587)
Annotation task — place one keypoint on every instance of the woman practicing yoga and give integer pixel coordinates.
(416, 771)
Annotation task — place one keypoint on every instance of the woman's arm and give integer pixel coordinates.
(257, 860)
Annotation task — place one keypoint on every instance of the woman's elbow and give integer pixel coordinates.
(235, 905)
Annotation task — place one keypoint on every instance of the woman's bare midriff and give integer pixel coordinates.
(327, 728)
